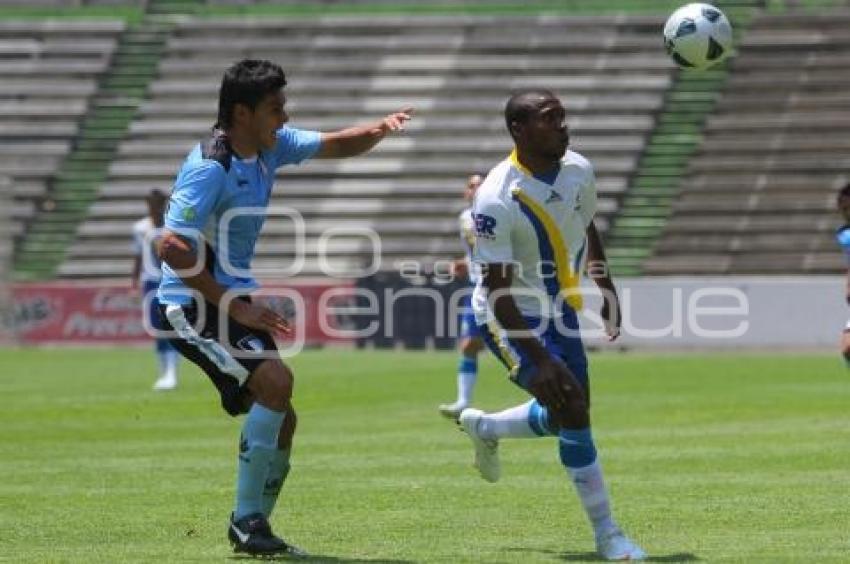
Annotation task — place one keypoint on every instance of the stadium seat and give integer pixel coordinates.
(50, 70)
(456, 70)
(759, 195)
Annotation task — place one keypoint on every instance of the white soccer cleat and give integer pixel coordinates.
(486, 450)
(615, 545)
(451, 410)
(164, 384)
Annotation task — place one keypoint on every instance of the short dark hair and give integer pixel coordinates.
(844, 192)
(156, 195)
(521, 105)
(247, 82)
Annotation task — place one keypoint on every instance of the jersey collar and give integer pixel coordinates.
(546, 179)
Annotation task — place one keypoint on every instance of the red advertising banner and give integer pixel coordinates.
(111, 313)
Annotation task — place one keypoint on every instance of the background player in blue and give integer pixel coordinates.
(470, 343)
(146, 273)
(843, 238)
(230, 338)
(534, 230)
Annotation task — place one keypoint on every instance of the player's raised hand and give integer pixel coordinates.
(259, 317)
(396, 120)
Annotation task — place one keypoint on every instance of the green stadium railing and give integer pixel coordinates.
(134, 64)
(120, 92)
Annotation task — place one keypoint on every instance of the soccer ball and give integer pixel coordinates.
(698, 36)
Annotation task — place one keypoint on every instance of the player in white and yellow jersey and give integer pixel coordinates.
(534, 232)
(469, 338)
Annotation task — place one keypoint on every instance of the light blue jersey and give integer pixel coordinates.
(843, 238)
(212, 185)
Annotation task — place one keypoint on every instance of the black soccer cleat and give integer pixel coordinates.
(253, 535)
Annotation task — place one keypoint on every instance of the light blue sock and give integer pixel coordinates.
(538, 420)
(278, 471)
(576, 447)
(257, 447)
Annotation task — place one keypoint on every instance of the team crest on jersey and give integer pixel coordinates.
(484, 226)
(250, 343)
(188, 214)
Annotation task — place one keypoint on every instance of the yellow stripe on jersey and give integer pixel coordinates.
(518, 165)
(568, 279)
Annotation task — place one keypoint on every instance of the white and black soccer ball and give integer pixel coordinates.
(698, 36)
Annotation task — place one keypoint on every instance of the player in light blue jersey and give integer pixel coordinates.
(146, 273)
(230, 339)
(843, 238)
(470, 343)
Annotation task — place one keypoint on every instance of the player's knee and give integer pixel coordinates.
(272, 384)
(282, 383)
(575, 414)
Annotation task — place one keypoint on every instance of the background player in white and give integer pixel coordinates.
(534, 231)
(843, 238)
(469, 339)
(146, 274)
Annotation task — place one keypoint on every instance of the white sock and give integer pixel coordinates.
(590, 486)
(167, 361)
(162, 361)
(465, 385)
(510, 423)
(171, 359)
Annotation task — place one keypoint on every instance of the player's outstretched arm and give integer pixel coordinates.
(597, 269)
(357, 140)
(179, 255)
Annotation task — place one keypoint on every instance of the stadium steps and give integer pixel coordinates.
(75, 186)
(646, 204)
(173, 7)
(652, 191)
(759, 194)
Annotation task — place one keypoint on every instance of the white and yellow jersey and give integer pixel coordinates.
(145, 233)
(538, 226)
(467, 238)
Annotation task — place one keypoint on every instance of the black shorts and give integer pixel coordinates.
(228, 363)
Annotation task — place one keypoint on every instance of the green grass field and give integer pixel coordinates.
(712, 458)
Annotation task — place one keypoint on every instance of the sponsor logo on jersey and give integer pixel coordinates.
(484, 226)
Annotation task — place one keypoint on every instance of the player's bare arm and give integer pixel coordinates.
(598, 271)
(179, 255)
(137, 270)
(553, 384)
(356, 140)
